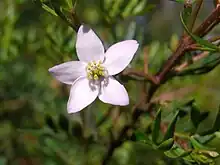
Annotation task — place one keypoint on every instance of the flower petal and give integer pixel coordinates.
(68, 72)
(88, 45)
(119, 55)
(81, 95)
(114, 93)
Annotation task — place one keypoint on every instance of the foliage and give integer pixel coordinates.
(158, 127)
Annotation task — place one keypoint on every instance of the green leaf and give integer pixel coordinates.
(156, 127)
(197, 145)
(187, 12)
(70, 3)
(186, 106)
(204, 65)
(48, 9)
(215, 125)
(129, 7)
(148, 8)
(177, 152)
(116, 8)
(189, 159)
(204, 139)
(140, 136)
(171, 128)
(166, 145)
(196, 116)
(206, 45)
(200, 158)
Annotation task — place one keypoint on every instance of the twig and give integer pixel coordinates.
(194, 59)
(195, 14)
(214, 39)
(140, 74)
(173, 59)
(214, 17)
(75, 20)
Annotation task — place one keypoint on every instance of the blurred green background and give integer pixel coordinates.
(31, 100)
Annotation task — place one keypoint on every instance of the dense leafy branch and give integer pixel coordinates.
(211, 21)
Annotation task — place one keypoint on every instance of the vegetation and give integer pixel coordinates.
(173, 116)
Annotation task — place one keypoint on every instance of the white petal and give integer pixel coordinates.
(88, 45)
(81, 95)
(119, 55)
(114, 93)
(68, 72)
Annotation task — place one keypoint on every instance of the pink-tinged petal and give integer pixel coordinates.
(119, 55)
(81, 95)
(88, 45)
(68, 72)
(114, 93)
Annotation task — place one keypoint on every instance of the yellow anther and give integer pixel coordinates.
(95, 77)
(101, 73)
(95, 70)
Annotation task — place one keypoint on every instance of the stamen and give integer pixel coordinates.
(95, 70)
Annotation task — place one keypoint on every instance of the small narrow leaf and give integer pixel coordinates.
(215, 125)
(203, 115)
(166, 145)
(171, 128)
(187, 12)
(177, 152)
(197, 145)
(204, 43)
(156, 127)
(140, 136)
(48, 9)
(202, 159)
(204, 139)
(202, 66)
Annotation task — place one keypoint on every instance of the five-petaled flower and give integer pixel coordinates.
(92, 75)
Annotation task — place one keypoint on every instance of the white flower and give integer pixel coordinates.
(92, 75)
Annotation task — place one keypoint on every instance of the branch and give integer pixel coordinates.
(194, 59)
(195, 14)
(148, 77)
(212, 20)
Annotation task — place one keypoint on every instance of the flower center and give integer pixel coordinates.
(95, 70)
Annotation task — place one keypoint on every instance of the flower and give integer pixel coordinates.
(92, 75)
